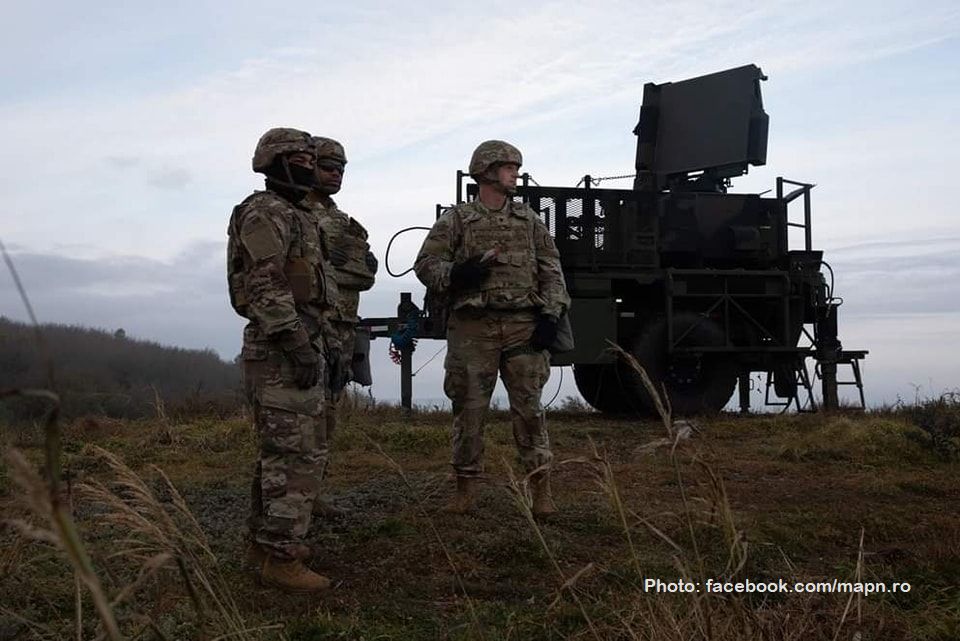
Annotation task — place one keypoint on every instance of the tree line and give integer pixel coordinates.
(103, 373)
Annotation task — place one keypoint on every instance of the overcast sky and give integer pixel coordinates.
(128, 128)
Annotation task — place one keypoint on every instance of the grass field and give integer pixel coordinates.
(761, 498)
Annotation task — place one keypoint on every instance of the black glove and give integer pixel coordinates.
(338, 256)
(306, 363)
(545, 333)
(469, 274)
(338, 371)
(372, 263)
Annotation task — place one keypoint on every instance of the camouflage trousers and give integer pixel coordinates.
(347, 333)
(481, 343)
(291, 429)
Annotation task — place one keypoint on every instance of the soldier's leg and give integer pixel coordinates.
(525, 372)
(345, 333)
(473, 353)
(323, 506)
(293, 454)
(255, 375)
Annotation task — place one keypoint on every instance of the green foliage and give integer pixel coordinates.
(940, 420)
(107, 374)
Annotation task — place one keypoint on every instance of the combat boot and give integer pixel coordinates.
(543, 505)
(256, 555)
(463, 500)
(291, 576)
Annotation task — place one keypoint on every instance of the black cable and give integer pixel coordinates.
(558, 391)
(386, 257)
(830, 269)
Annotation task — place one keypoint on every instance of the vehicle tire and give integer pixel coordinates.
(608, 388)
(695, 383)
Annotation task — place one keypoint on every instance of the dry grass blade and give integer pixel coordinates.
(570, 583)
(521, 498)
(736, 542)
(147, 571)
(41, 497)
(433, 530)
(608, 485)
(858, 577)
(660, 399)
(164, 533)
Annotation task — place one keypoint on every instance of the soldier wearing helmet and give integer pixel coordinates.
(354, 268)
(277, 278)
(496, 265)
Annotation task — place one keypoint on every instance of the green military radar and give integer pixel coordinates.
(702, 286)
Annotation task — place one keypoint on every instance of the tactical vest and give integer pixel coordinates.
(312, 288)
(349, 234)
(513, 272)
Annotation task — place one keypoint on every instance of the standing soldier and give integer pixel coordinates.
(354, 269)
(277, 280)
(499, 269)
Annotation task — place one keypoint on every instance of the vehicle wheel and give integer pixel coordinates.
(695, 383)
(608, 388)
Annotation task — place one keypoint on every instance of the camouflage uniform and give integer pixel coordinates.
(278, 280)
(350, 278)
(490, 327)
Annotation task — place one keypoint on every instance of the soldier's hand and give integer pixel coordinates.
(372, 263)
(306, 366)
(469, 274)
(338, 371)
(545, 333)
(338, 256)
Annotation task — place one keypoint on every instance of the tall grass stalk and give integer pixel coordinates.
(519, 491)
(425, 516)
(43, 499)
(165, 534)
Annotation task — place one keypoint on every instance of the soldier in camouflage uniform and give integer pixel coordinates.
(277, 280)
(354, 269)
(499, 269)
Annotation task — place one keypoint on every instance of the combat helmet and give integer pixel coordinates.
(277, 141)
(329, 148)
(491, 152)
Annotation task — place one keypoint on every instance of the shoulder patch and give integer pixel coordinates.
(259, 238)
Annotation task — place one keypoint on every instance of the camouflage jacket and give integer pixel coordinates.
(525, 274)
(277, 271)
(353, 276)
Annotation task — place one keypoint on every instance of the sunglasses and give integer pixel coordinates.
(330, 166)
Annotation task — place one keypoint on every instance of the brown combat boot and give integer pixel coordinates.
(256, 555)
(543, 505)
(463, 500)
(291, 576)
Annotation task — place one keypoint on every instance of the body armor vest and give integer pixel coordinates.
(353, 276)
(312, 288)
(512, 282)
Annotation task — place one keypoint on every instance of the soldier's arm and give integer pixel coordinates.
(435, 259)
(265, 236)
(331, 290)
(553, 289)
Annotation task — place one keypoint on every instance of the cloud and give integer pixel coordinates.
(911, 276)
(122, 162)
(418, 93)
(172, 179)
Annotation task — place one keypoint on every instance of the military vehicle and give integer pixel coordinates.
(701, 285)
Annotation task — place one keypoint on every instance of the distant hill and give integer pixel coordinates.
(106, 373)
